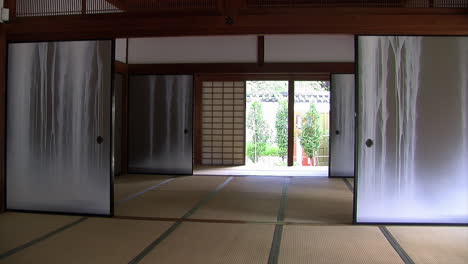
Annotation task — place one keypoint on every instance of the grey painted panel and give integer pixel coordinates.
(160, 119)
(413, 94)
(342, 132)
(58, 103)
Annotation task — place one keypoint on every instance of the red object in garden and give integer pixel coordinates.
(306, 161)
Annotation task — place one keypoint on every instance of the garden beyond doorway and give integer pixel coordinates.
(267, 120)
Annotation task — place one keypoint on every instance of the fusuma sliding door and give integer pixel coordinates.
(412, 130)
(160, 124)
(59, 126)
(342, 125)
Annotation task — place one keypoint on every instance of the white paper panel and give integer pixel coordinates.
(222, 135)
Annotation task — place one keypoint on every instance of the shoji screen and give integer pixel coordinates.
(223, 123)
(59, 126)
(342, 125)
(160, 124)
(412, 129)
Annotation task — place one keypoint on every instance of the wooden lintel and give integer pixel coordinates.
(127, 25)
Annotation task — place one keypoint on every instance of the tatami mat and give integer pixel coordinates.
(95, 240)
(193, 183)
(215, 243)
(431, 245)
(255, 185)
(129, 184)
(171, 200)
(241, 206)
(17, 229)
(336, 244)
(246, 199)
(319, 200)
(169, 204)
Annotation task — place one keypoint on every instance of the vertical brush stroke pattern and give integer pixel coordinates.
(342, 145)
(160, 110)
(413, 105)
(58, 103)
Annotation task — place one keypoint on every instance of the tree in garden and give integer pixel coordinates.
(281, 125)
(311, 132)
(259, 131)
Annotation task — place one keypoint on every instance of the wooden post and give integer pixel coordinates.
(124, 134)
(431, 3)
(197, 122)
(291, 123)
(11, 4)
(260, 50)
(83, 7)
(2, 118)
(125, 91)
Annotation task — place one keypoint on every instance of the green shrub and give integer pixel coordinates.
(271, 151)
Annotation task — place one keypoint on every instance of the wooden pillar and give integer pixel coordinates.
(260, 50)
(125, 92)
(11, 4)
(124, 134)
(290, 122)
(2, 117)
(431, 3)
(197, 125)
(83, 7)
(122, 68)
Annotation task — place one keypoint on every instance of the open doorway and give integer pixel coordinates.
(311, 126)
(280, 135)
(266, 124)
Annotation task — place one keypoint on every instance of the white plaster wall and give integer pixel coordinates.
(309, 48)
(214, 49)
(121, 50)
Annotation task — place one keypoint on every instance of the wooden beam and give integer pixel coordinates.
(3, 61)
(286, 68)
(291, 123)
(265, 77)
(128, 25)
(304, 10)
(121, 67)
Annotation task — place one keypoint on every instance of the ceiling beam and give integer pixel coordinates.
(123, 25)
(271, 68)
